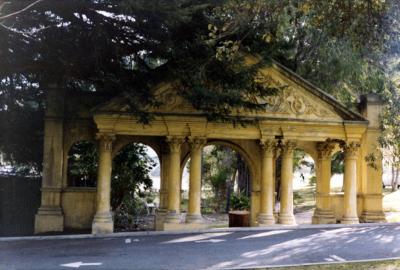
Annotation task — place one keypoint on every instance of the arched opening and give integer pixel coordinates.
(225, 182)
(304, 186)
(337, 170)
(82, 164)
(134, 187)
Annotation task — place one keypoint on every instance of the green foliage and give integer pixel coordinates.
(337, 164)
(129, 212)
(371, 160)
(345, 47)
(82, 164)
(299, 160)
(130, 175)
(21, 118)
(298, 156)
(219, 165)
(131, 185)
(312, 180)
(219, 170)
(239, 201)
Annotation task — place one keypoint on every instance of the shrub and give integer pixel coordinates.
(239, 201)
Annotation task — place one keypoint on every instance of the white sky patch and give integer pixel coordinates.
(119, 17)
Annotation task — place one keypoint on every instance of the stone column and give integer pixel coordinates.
(371, 107)
(103, 222)
(164, 178)
(350, 183)
(174, 185)
(286, 212)
(194, 213)
(275, 194)
(162, 210)
(50, 217)
(323, 213)
(266, 216)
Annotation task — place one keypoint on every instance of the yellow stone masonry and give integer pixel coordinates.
(300, 116)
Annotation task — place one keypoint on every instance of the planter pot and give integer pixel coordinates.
(239, 218)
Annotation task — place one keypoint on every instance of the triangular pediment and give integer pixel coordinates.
(296, 99)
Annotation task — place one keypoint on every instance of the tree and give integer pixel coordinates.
(130, 175)
(219, 171)
(15, 13)
(128, 45)
(337, 164)
(82, 164)
(390, 139)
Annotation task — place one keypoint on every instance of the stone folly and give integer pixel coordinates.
(299, 116)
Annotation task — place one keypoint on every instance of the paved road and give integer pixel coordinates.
(219, 250)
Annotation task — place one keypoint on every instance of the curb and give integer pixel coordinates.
(311, 264)
(155, 233)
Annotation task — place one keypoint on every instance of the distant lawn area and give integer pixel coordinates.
(391, 201)
(304, 198)
(378, 265)
(391, 205)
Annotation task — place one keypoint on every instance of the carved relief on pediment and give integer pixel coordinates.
(170, 101)
(288, 101)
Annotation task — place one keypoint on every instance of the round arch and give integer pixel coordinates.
(308, 151)
(337, 168)
(250, 153)
(134, 182)
(122, 141)
(305, 183)
(81, 164)
(234, 146)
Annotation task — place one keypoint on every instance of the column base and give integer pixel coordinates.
(349, 220)
(373, 217)
(49, 219)
(287, 219)
(159, 219)
(172, 217)
(265, 220)
(194, 218)
(276, 216)
(322, 216)
(102, 224)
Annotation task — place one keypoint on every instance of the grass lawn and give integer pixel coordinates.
(391, 205)
(391, 201)
(379, 265)
(304, 199)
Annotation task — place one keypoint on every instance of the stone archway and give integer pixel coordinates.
(133, 189)
(178, 125)
(235, 147)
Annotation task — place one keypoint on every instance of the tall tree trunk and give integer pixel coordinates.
(278, 178)
(243, 176)
(229, 189)
(394, 177)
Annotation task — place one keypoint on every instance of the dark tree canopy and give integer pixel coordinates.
(131, 45)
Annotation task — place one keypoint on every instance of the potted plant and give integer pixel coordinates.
(239, 216)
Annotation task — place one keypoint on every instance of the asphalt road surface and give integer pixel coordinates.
(218, 250)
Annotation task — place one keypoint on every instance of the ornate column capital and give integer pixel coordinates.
(288, 147)
(268, 147)
(174, 143)
(105, 141)
(197, 143)
(350, 149)
(325, 149)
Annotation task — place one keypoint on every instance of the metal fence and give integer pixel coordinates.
(19, 201)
